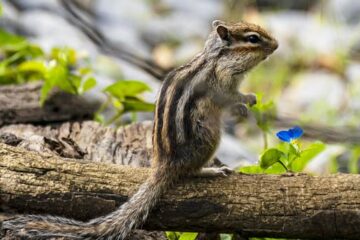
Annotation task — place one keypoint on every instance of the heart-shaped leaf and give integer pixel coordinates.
(270, 157)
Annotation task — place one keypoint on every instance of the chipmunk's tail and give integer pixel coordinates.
(115, 226)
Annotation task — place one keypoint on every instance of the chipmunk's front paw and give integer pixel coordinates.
(240, 110)
(215, 172)
(224, 171)
(250, 99)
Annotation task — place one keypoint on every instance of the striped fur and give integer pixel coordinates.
(186, 131)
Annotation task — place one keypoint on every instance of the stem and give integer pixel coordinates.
(114, 118)
(265, 139)
(283, 165)
(354, 159)
(75, 89)
(104, 105)
(133, 117)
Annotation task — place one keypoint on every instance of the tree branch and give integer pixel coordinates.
(75, 15)
(256, 205)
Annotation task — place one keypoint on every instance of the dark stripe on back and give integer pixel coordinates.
(172, 135)
(161, 102)
(199, 91)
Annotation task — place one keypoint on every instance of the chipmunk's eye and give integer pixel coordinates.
(253, 38)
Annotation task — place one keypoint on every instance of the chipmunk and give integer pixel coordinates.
(186, 130)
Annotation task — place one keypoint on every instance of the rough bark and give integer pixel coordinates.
(20, 104)
(88, 140)
(256, 205)
(128, 145)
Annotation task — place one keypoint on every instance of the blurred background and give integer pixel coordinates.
(312, 80)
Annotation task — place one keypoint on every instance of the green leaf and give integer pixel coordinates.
(33, 66)
(260, 111)
(86, 85)
(293, 153)
(71, 83)
(3, 68)
(306, 155)
(46, 88)
(58, 76)
(13, 58)
(32, 51)
(66, 56)
(354, 160)
(55, 76)
(276, 168)
(270, 157)
(117, 104)
(99, 118)
(11, 42)
(253, 169)
(121, 89)
(172, 235)
(283, 147)
(188, 236)
(84, 71)
(226, 236)
(137, 106)
(333, 165)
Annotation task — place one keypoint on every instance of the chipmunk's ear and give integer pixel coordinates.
(216, 23)
(221, 29)
(223, 32)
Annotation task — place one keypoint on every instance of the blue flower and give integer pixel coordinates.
(291, 134)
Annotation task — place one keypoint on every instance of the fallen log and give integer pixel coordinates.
(291, 206)
(21, 104)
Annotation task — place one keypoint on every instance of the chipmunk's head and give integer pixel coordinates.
(240, 46)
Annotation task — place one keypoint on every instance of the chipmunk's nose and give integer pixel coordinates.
(271, 46)
(275, 44)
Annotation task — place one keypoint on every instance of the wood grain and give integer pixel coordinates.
(291, 206)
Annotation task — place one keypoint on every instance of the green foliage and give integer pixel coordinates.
(252, 169)
(299, 163)
(270, 157)
(333, 166)
(62, 68)
(125, 97)
(181, 235)
(16, 50)
(123, 89)
(24, 62)
(58, 73)
(226, 236)
(172, 235)
(284, 157)
(354, 160)
(276, 168)
(263, 113)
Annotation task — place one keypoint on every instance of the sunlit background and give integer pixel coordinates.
(313, 79)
